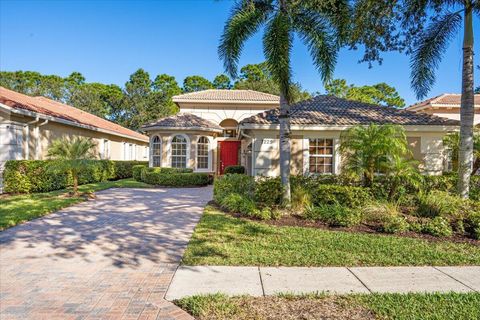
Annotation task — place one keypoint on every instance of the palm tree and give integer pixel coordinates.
(452, 142)
(368, 150)
(320, 24)
(73, 156)
(427, 55)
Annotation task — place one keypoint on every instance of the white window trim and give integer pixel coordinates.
(169, 149)
(210, 152)
(150, 151)
(335, 156)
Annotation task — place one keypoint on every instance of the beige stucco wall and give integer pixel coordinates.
(452, 113)
(51, 131)
(192, 139)
(218, 112)
(427, 148)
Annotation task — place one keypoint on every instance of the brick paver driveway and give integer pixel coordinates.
(108, 258)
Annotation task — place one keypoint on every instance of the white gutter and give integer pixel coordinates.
(67, 122)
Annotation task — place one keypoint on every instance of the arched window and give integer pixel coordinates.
(156, 151)
(179, 152)
(203, 153)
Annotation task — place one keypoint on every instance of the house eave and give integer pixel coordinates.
(66, 122)
(160, 128)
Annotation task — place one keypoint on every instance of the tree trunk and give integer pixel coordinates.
(465, 154)
(284, 120)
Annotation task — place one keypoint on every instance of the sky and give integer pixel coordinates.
(109, 40)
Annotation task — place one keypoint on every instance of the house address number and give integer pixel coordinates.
(267, 141)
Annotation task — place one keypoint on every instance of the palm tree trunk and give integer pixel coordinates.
(284, 120)
(465, 155)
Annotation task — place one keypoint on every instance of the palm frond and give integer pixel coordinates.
(320, 39)
(428, 54)
(277, 45)
(245, 19)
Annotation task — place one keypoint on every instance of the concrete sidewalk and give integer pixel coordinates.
(260, 281)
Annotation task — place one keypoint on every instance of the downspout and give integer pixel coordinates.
(27, 127)
(37, 139)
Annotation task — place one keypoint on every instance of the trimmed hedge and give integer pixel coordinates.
(351, 197)
(31, 176)
(137, 171)
(233, 183)
(175, 179)
(234, 169)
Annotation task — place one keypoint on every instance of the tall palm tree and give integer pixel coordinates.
(427, 56)
(73, 155)
(321, 24)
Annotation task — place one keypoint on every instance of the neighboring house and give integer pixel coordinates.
(28, 125)
(217, 128)
(446, 105)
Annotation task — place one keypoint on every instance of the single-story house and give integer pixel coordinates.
(28, 125)
(446, 105)
(218, 128)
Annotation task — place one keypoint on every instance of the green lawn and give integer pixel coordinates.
(221, 239)
(20, 208)
(452, 306)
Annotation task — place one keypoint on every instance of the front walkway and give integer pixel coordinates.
(109, 258)
(260, 281)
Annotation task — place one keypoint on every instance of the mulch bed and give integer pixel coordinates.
(280, 308)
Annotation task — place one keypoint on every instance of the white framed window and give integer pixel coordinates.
(320, 156)
(179, 151)
(203, 153)
(156, 151)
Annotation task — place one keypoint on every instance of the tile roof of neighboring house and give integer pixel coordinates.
(330, 110)
(51, 108)
(443, 100)
(228, 96)
(183, 121)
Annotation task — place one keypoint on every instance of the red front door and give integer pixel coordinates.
(228, 154)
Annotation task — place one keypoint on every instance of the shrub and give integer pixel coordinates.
(351, 197)
(472, 224)
(395, 224)
(301, 199)
(175, 179)
(268, 191)
(438, 227)
(137, 171)
(380, 212)
(233, 183)
(237, 203)
(234, 169)
(334, 215)
(262, 214)
(441, 203)
(124, 169)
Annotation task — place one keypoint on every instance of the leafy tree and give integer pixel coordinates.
(424, 29)
(137, 90)
(381, 93)
(368, 150)
(320, 25)
(222, 81)
(196, 83)
(257, 77)
(74, 156)
(452, 142)
(166, 85)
